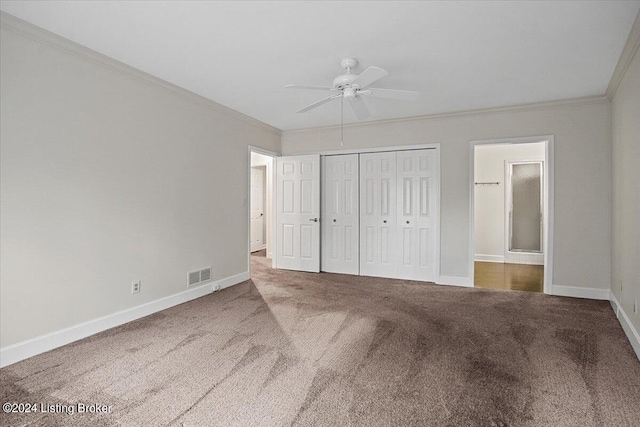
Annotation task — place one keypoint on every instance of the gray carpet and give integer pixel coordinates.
(290, 348)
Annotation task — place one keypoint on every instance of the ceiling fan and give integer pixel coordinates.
(354, 87)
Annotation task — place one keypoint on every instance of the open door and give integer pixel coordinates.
(258, 241)
(298, 212)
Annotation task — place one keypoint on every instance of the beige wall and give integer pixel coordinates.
(626, 191)
(582, 176)
(490, 199)
(106, 179)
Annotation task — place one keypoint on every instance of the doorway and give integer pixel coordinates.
(260, 206)
(511, 220)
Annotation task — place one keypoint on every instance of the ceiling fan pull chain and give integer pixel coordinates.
(341, 121)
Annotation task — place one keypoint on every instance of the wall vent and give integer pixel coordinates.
(205, 275)
(198, 277)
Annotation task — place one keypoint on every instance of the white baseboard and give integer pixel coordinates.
(455, 281)
(23, 350)
(488, 258)
(232, 280)
(576, 292)
(627, 327)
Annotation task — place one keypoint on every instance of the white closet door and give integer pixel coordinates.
(377, 214)
(416, 227)
(298, 212)
(340, 214)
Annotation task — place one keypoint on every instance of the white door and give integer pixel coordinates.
(298, 212)
(377, 214)
(416, 189)
(257, 209)
(340, 214)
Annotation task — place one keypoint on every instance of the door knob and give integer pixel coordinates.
(261, 214)
(334, 220)
(314, 219)
(385, 221)
(407, 222)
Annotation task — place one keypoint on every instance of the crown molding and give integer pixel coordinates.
(508, 109)
(628, 52)
(52, 40)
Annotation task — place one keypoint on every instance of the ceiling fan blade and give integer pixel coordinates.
(319, 103)
(308, 87)
(407, 95)
(360, 108)
(369, 76)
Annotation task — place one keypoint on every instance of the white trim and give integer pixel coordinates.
(578, 292)
(488, 258)
(625, 322)
(614, 303)
(54, 41)
(455, 281)
(506, 109)
(548, 200)
(274, 154)
(439, 200)
(263, 151)
(626, 57)
(231, 280)
(23, 350)
(435, 146)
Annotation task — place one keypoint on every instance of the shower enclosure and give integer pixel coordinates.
(524, 220)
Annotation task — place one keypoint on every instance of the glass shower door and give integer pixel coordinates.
(525, 216)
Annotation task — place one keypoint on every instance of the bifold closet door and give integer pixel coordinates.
(416, 189)
(340, 214)
(378, 214)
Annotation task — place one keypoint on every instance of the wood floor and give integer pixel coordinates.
(519, 277)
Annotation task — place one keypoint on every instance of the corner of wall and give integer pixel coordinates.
(628, 328)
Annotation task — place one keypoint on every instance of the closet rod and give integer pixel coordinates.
(487, 183)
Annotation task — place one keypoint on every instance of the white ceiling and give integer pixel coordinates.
(459, 55)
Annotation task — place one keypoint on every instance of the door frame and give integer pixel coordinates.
(434, 146)
(548, 215)
(263, 171)
(274, 155)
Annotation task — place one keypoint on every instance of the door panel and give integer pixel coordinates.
(416, 215)
(341, 214)
(378, 218)
(298, 213)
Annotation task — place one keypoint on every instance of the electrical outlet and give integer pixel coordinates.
(135, 286)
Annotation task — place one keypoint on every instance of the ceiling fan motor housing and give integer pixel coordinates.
(344, 80)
